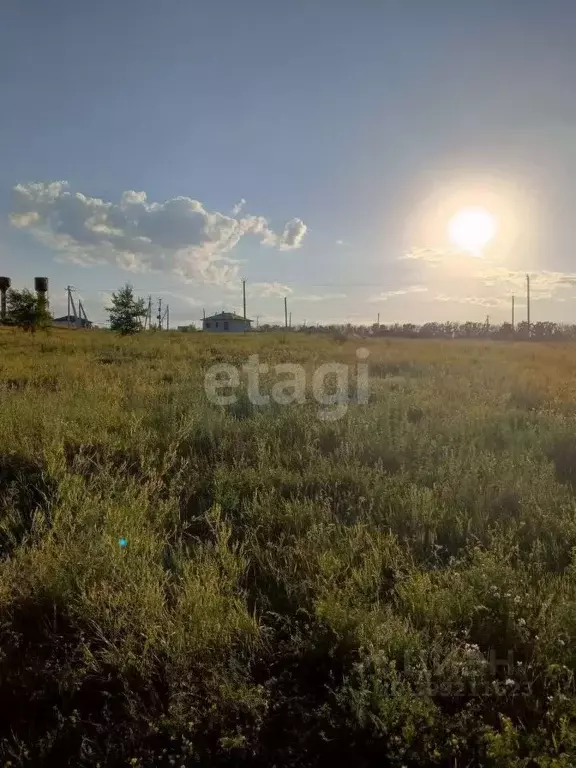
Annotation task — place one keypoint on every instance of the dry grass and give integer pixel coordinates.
(294, 592)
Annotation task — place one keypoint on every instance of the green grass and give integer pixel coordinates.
(295, 592)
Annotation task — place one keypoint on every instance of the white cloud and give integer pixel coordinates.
(290, 239)
(179, 235)
(292, 235)
(385, 295)
(340, 242)
(238, 207)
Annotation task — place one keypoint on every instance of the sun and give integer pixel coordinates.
(471, 229)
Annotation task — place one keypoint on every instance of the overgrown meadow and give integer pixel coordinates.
(395, 588)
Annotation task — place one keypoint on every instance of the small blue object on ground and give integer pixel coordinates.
(123, 542)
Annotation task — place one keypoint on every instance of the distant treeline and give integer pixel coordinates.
(541, 331)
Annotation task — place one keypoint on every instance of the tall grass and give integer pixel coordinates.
(294, 592)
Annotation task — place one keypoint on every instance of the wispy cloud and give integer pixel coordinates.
(543, 284)
(279, 290)
(319, 297)
(238, 207)
(489, 302)
(183, 297)
(385, 295)
(268, 290)
(178, 236)
(431, 255)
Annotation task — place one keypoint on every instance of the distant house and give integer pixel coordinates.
(226, 322)
(71, 321)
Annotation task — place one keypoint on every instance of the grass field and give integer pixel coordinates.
(294, 592)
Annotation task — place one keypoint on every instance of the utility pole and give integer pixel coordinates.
(71, 304)
(528, 302)
(513, 311)
(5, 284)
(148, 318)
(285, 312)
(290, 320)
(166, 316)
(159, 318)
(81, 311)
(244, 300)
(68, 315)
(378, 323)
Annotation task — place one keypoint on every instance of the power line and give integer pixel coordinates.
(528, 301)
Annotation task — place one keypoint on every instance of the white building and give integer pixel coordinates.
(226, 322)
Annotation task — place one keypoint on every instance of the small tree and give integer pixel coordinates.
(27, 310)
(126, 312)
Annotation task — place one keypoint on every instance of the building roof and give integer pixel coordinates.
(227, 316)
(73, 319)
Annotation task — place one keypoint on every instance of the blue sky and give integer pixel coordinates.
(352, 131)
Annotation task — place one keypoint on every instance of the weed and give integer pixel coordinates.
(294, 592)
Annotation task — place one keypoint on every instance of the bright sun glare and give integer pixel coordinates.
(471, 229)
